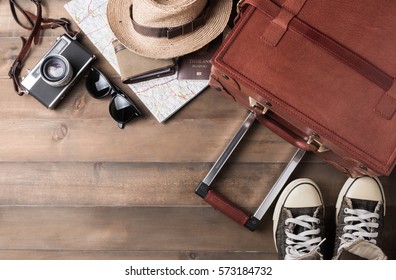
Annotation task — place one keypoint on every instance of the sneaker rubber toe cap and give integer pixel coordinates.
(365, 188)
(305, 195)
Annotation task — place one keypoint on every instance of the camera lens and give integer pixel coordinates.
(56, 70)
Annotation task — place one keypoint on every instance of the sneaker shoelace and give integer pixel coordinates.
(304, 242)
(360, 224)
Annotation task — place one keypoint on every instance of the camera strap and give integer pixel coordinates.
(35, 24)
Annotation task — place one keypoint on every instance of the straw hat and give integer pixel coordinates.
(154, 28)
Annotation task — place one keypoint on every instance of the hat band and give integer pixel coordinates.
(171, 32)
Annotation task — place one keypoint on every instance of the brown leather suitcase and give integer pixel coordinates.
(318, 73)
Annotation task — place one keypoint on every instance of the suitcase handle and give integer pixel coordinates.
(225, 206)
(283, 132)
(234, 212)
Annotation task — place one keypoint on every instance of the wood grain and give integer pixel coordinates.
(166, 184)
(127, 228)
(133, 255)
(74, 186)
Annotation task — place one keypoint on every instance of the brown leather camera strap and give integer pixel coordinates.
(35, 24)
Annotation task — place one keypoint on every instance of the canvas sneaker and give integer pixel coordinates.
(360, 212)
(298, 221)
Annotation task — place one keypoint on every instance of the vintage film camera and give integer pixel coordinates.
(56, 73)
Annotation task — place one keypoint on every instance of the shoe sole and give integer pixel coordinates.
(345, 189)
(282, 199)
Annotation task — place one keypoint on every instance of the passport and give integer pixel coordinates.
(197, 65)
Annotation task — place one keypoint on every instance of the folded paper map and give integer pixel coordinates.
(164, 96)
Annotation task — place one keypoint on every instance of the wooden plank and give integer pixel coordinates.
(125, 228)
(132, 184)
(81, 127)
(143, 255)
(133, 255)
(197, 133)
(168, 184)
(88, 140)
(139, 229)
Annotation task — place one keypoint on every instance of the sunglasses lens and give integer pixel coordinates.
(97, 85)
(122, 110)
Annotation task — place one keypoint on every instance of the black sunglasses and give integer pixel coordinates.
(121, 108)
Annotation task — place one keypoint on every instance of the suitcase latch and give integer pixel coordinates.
(254, 104)
(313, 140)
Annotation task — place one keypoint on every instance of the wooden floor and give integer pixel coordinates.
(75, 186)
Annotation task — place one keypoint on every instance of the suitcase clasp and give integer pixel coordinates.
(313, 140)
(254, 104)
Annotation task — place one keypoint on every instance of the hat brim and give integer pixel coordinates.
(120, 23)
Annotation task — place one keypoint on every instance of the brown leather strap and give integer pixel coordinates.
(361, 65)
(171, 32)
(387, 105)
(279, 25)
(35, 27)
(36, 23)
(275, 126)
